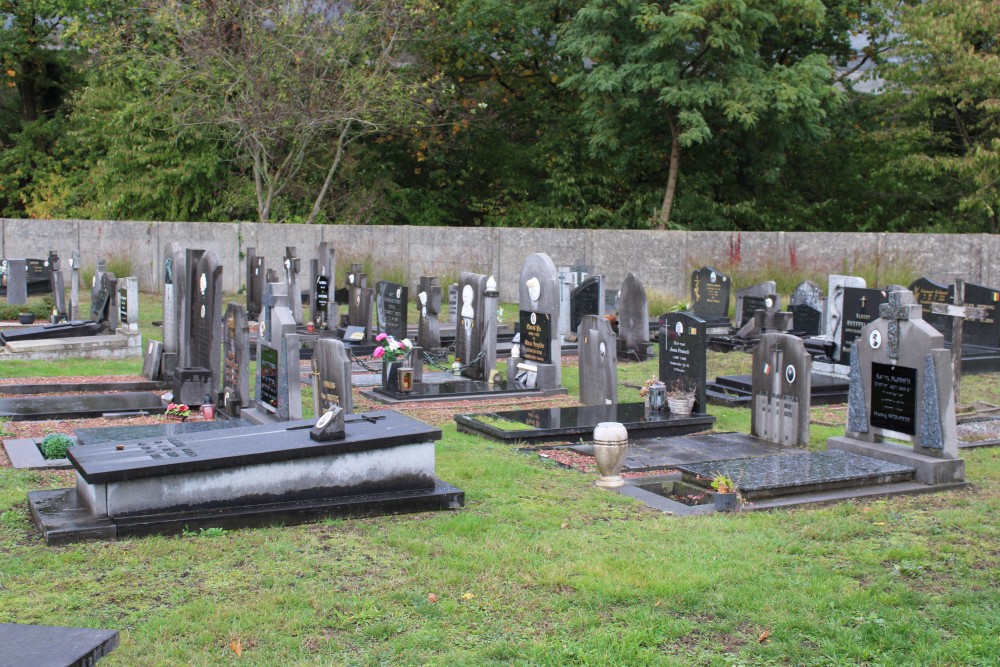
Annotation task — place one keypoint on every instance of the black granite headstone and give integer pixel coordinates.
(860, 309)
(586, 299)
(255, 283)
(807, 320)
(927, 292)
(986, 332)
(683, 359)
(710, 292)
(536, 337)
(390, 308)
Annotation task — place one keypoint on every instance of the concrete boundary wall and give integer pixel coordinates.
(661, 260)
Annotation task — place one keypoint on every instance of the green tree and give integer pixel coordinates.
(944, 97)
(289, 85)
(699, 67)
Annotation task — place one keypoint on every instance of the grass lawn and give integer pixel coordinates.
(539, 568)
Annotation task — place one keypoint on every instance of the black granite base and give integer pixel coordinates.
(772, 476)
(79, 406)
(52, 646)
(569, 424)
(64, 520)
(737, 390)
(649, 453)
(458, 390)
(90, 387)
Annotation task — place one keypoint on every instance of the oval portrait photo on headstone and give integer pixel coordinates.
(875, 339)
(790, 374)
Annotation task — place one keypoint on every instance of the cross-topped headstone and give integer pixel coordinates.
(899, 308)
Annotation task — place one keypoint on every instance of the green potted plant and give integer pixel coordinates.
(727, 493)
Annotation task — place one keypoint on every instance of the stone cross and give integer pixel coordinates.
(900, 308)
(960, 312)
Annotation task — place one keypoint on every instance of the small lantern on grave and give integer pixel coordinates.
(405, 380)
(657, 396)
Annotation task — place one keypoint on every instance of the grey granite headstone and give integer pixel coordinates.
(633, 321)
(835, 308)
(235, 361)
(470, 335)
(152, 361)
(710, 291)
(59, 310)
(278, 395)
(331, 376)
(428, 308)
(174, 274)
(17, 281)
(586, 299)
(683, 355)
(762, 296)
(782, 372)
(598, 361)
(99, 305)
(901, 388)
(95, 280)
(128, 305)
(538, 295)
(74, 285)
(391, 302)
(293, 267)
(192, 257)
(453, 304)
(206, 316)
(359, 304)
(255, 283)
(807, 293)
(807, 320)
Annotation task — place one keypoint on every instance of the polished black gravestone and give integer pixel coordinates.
(561, 424)
(737, 390)
(259, 475)
(97, 436)
(458, 389)
(72, 329)
(79, 406)
(770, 476)
(53, 646)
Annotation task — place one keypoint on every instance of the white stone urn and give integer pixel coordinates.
(610, 447)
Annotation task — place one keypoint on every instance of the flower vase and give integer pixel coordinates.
(390, 375)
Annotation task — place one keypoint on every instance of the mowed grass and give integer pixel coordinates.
(539, 568)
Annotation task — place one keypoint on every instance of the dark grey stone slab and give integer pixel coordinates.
(598, 361)
(24, 453)
(63, 519)
(53, 646)
(79, 406)
(390, 308)
(151, 457)
(646, 453)
(710, 292)
(458, 389)
(555, 424)
(812, 471)
(114, 434)
(683, 360)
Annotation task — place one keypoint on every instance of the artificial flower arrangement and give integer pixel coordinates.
(391, 349)
(178, 410)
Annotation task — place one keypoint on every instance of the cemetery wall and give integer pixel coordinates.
(663, 261)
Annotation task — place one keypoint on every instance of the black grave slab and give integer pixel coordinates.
(152, 457)
(63, 519)
(73, 329)
(79, 406)
(97, 436)
(91, 387)
(811, 472)
(737, 390)
(53, 646)
(459, 389)
(562, 424)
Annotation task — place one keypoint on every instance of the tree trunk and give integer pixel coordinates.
(329, 175)
(675, 163)
(27, 91)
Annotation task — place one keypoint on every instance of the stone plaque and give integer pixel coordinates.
(536, 337)
(710, 291)
(683, 358)
(894, 398)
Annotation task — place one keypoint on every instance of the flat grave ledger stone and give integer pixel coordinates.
(428, 308)
(901, 388)
(683, 355)
(586, 299)
(258, 475)
(53, 646)
(543, 425)
(331, 377)
(781, 390)
(390, 307)
(598, 361)
(928, 292)
(79, 406)
(256, 274)
(860, 308)
(633, 321)
(710, 292)
(762, 296)
(116, 434)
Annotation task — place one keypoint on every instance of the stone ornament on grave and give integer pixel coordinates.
(782, 379)
(598, 361)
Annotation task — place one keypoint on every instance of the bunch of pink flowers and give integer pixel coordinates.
(391, 349)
